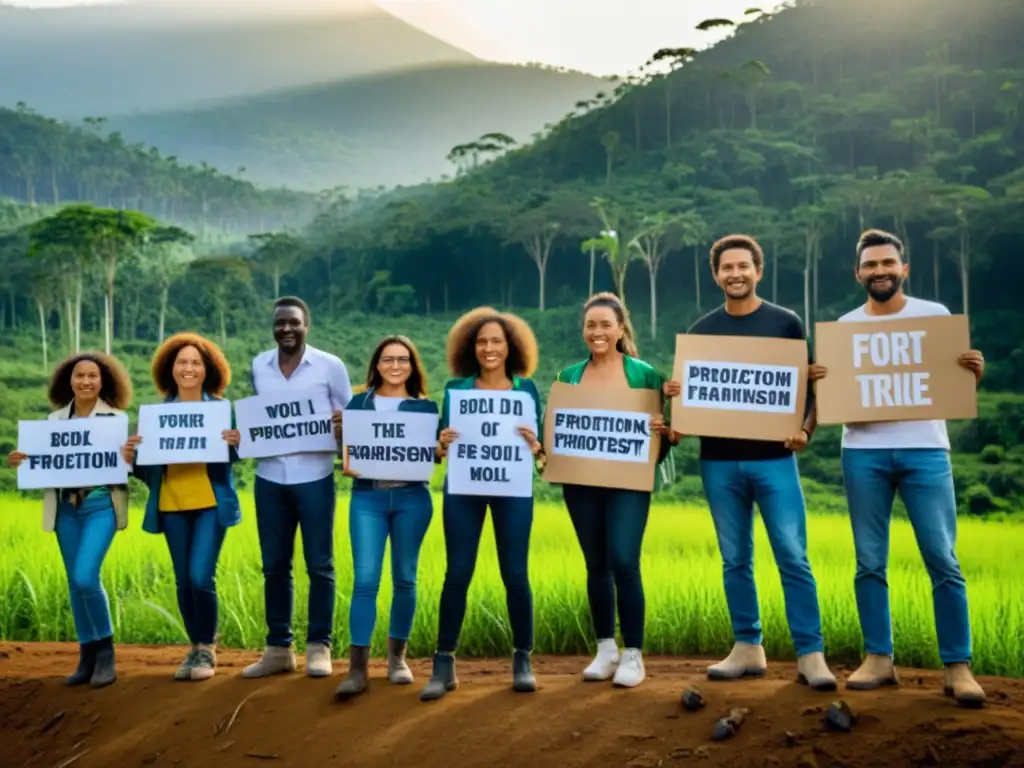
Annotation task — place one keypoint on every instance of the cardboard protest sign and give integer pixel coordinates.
(282, 423)
(183, 433)
(72, 453)
(742, 387)
(895, 370)
(490, 457)
(601, 437)
(390, 445)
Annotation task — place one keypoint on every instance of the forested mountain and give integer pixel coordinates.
(383, 129)
(98, 60)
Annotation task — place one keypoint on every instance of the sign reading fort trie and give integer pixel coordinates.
(895, 370)
(739, 387)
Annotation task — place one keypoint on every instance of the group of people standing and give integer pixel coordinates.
(194, 505)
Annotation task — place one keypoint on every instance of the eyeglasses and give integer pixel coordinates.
(403, 360)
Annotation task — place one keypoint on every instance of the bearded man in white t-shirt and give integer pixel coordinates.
(911, 457)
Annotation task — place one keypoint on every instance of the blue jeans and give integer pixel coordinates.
(84, 536)
(732, 489)
(463, 524)
(610, 526)
(194, 540)
(403, 514)
(280, 511)
(924, 479)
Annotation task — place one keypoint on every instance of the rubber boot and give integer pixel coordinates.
(105, 672)
(86, 663)
(442, 678)
(523, 680)
(358, 676)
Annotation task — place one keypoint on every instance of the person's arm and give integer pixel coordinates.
(442, 425)
(340, 385)
(810, 404)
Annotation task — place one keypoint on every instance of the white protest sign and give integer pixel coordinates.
(490, 457)
(390, 445)
(740, 386)
(282, 423)
(72, 453)
(589, 433)
(183, 433)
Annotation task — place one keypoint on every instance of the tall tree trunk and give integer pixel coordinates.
(696, 274)
(42, 333)
(593, 266)
(652, 273)
(163, 310)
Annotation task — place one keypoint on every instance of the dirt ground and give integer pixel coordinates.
(148, 719)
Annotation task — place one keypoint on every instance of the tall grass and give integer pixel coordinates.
(686, 610)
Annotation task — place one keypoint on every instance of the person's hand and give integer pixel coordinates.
(336, 421)
(128, 449)
(973, 361)
(674, 437)
(531, 439)
(14, 458)
(346, 470)
(816, 371)
(798, 441)
(447, 437)
(672, 388)
(232, 437)
(658, 425)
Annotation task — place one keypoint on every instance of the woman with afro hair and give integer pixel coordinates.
(487, 350)
(610, 522)
(87, 385)
(192, 505)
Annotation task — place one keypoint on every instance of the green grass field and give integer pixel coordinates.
(686, 610)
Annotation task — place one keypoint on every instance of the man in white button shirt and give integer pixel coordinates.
(297, 491)
(911, 457)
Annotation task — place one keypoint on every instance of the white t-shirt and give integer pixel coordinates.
(387, 403)
(898, 434)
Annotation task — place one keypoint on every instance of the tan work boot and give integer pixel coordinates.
(745, 660)
(812, 670)
(318, 660)
(398, 671)
(961, 685)
(276, 660)
(874, 672)
(358, 677)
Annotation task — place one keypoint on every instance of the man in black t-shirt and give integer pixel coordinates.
(740, 473)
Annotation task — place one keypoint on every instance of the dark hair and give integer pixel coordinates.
(627, 344)
(870, 238)
(461, 350)
(729, 242)
(416, 384)
(218, 370)
(115, 383)
(293, 301)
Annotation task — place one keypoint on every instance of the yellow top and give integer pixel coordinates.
(186, 488)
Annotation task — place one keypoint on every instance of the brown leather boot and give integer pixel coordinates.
(358, 677)
(398, 671)
(961, 685)
(875, 671)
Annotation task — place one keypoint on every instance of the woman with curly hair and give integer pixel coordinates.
(383, 509)
(87, 385)
(610, 522)
(487, 350)
(192, 505)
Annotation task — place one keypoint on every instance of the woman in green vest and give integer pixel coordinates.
(610, 522)
(487, 350)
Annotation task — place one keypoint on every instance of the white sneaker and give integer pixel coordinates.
(631, 670)
(318, 660)
(605, 662)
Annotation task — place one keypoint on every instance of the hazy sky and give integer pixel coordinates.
(599, 36)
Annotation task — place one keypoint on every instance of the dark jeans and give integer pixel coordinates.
(194, 540)
(84, 536)
(280, 510)
(732, 489)
(403, 515)
(924, 479)
(610, 524)
(463, 524)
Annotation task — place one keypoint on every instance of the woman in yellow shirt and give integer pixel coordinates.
(193, 505)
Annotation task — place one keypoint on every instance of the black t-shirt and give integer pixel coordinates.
(771, 321)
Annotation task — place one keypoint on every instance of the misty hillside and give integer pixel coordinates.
(100, 60)
(386, 129)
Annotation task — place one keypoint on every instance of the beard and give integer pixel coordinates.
(883, 292)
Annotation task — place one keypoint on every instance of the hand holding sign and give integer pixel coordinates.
(445, 439)
(816, 371)
(973, 361)
(14, 458)
(798, 441)
(232, 437)
(336, 421)
(531, 439)
(672, 388)
(128, 449)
